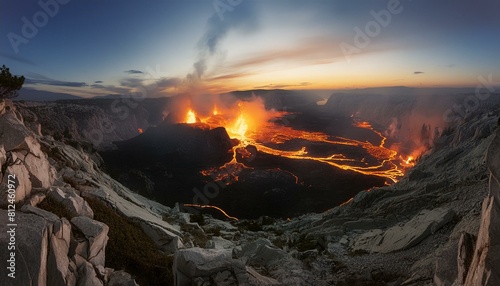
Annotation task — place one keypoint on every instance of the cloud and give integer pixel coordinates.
(418, 72)
(168, 82)
(98, 81)
(311, 51)
(17, 58)
(230, 76)
(131, 82)
(55, 82)
(134, 72)
(280, 86)
(243, 16)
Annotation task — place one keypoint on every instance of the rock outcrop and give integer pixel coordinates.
(22, 158)
(405, 236)
(485, 266)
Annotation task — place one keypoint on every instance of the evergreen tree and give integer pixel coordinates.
(9, 84)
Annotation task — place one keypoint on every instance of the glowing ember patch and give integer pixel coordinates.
(410, 161)
(362, 124)
(140, 130)
(215, 111)
(190, 117)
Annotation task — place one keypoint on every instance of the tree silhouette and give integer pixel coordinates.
(9, 84)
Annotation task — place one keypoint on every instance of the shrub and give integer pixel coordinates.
(55, 207)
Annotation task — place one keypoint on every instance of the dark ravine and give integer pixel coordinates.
(419, 231)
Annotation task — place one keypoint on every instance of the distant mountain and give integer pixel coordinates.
(29, 94)
(404, 90)
(109, 96)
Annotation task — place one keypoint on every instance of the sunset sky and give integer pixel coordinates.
(90, 48)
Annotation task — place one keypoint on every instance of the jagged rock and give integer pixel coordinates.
(22, 141)
(218, 242)
(261, 252)
(58, 266)
(23, 183)
(366, 223)
(255, 278)
(464, 256)
(198, 262)
(48, 216)
(31, 243)
(485, 266)
(42, 173)
(36, 199)
(403, 237)
(162, 238)
(121, 278)
(23, 157)
(96, 234)
(195, 265)
(75, 204)
(57, 260)
(87, 275)
(446, 267)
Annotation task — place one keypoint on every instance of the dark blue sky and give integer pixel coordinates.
(102, 47)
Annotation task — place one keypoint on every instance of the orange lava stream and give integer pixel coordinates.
(275, 134)
(212, 207)
(280, 134)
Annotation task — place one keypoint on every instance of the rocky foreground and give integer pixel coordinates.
(78, 226)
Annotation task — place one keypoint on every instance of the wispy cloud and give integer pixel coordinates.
(55, 82)
(111, 88)
(98, 81)
(131, 82)
(17, 58)
(278, 86)
(310, 51)
(168, 82)
(230, 76)
(418, 72)
(134, 72)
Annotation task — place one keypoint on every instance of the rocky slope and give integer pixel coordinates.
(438, 225)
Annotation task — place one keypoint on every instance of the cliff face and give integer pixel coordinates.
(96, 121)
(57, 240)
(75, 223)
(485, 266)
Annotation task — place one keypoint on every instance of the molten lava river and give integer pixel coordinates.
(271, 134)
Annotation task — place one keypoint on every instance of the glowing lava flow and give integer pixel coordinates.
(239, 128)
(269, 136)
(191, 117)
(212, 207)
